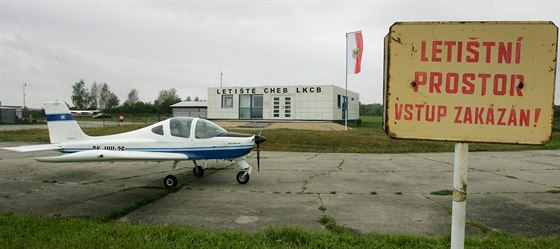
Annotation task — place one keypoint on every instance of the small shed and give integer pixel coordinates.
(8, 115)
(198, 109)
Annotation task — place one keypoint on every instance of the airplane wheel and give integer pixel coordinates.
(242, 178)
(170, 181)
(198, 171)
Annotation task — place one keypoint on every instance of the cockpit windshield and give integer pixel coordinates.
(180, 126)
(207, 129)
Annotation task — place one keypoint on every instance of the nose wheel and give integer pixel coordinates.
(242, 177)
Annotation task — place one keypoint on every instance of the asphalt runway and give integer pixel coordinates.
(513, 192)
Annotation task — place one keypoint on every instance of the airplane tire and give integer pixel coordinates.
(170, 181)
(198, 171)
(242, 178)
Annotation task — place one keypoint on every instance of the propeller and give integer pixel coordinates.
(258, 140)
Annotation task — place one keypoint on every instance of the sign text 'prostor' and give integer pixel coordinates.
(470, 81)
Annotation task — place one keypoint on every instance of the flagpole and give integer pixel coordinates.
(345, 110)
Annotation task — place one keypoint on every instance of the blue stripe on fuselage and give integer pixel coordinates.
(59, 117)
(218, 154)
(197, 153)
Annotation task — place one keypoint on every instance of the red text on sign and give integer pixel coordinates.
(420, 112)
(470, 83)
(472, 51)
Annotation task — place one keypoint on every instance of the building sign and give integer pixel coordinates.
(470, 82)
(274, 90)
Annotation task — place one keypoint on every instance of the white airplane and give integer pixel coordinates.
(175, 139)
(81, 113)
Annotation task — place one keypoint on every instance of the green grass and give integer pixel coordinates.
(145, 119)
(366, 138)
(30, 232)
(42, 135)
(370, 138)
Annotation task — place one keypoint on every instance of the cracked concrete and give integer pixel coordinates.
(365, 193)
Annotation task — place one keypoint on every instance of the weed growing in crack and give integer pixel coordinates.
(442, 192)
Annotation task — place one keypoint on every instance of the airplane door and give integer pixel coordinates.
(282, 107)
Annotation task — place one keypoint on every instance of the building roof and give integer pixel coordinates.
(191, 104)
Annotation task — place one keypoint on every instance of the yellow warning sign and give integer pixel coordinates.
(470, 81)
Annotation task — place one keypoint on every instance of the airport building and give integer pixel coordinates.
(10, 114)
(198, 109)
(303, 102)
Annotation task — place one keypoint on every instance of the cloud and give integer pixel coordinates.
(151, 46)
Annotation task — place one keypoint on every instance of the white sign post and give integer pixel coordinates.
(459, 212)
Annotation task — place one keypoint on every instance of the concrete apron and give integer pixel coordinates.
(365, 193)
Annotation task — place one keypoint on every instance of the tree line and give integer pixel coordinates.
(371, 109)
(99, 97)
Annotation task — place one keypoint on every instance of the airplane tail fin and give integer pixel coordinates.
(62, 125)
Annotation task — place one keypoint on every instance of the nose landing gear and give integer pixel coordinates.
(242, 177)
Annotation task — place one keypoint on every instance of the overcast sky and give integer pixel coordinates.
(150, 46)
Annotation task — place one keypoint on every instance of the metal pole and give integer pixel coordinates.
(24, 85)
(345, 109)
(459, 212)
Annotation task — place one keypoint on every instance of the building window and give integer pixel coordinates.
(251, 106)
(338, 101)
(276, 107)
(244, 106)
(257, 107)
(287, 107)
(227, 101)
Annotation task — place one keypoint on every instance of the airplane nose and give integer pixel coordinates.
(259, 139)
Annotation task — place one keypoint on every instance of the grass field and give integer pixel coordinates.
(27, 232)
(370, 138)
(366, 138)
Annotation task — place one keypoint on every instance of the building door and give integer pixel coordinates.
(251, 106)
(282, 107)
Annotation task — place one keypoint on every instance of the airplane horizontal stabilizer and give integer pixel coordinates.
(110, 155)
(32, 148)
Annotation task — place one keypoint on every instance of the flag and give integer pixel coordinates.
(354, 49)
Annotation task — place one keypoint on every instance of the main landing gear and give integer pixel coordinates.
(242, 177)
(170, 181)
(198, 171)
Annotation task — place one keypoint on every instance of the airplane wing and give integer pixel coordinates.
(31, 148)
(110, 155)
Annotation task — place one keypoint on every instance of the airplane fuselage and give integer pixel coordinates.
(196, 145)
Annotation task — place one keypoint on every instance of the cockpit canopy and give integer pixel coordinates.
(207, 129)
(181, 127)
